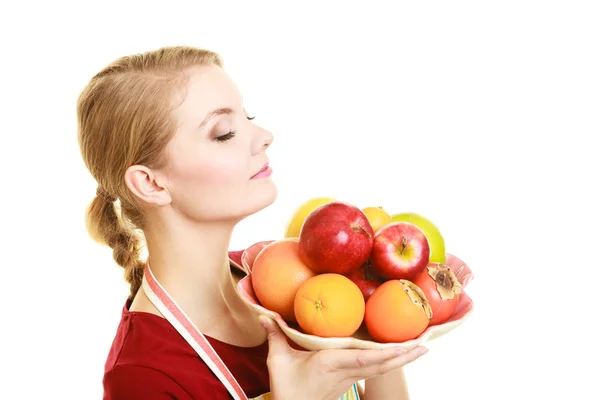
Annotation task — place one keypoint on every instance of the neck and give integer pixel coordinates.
(191, 262)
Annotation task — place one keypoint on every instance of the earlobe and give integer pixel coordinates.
(142, 182)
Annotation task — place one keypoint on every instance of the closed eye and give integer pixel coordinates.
(226, 137)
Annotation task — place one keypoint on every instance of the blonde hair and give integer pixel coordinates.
(124, 119)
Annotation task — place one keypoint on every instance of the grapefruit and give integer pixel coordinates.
(277, 273)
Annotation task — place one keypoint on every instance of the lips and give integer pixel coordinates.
(264, 170)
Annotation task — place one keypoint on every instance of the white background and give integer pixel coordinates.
(479, 115)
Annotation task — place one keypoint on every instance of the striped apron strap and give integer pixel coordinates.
(184, 325)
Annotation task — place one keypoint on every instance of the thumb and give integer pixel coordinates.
(277, 339)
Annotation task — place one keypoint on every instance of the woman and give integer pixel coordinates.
(178, 163)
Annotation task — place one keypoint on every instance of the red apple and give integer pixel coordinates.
(366, 280)
(400, 251)
(336, 237)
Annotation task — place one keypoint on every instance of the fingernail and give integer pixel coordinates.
(423, 350)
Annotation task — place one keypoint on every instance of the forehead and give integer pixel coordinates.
(206, 89)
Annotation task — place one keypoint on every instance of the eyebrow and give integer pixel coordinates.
(214, 113)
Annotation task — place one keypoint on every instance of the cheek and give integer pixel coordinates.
(209, 172)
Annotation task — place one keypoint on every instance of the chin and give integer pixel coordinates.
(253, 202)
(261, 199)
(232, 209)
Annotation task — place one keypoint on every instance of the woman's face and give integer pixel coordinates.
(217, 152)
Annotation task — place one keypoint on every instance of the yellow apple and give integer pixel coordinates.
(377, 217)
(432, 233)
(295, 223)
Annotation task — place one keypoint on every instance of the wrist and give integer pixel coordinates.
(391, 385)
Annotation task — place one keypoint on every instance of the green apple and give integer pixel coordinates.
(432, 233)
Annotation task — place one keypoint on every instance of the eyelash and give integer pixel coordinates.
(229, 135)
(226, 137)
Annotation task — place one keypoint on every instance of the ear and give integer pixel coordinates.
(143, 183)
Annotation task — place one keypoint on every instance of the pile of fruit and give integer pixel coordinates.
(340, 267)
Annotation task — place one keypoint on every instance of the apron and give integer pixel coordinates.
(180, 321)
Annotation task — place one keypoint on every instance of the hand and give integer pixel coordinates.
(325, 374)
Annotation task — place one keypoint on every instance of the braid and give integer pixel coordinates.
(124, 118)
(105, 226)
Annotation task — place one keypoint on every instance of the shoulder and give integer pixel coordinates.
(127, 381)
(144, 339)
(148, 355)
(137, 382)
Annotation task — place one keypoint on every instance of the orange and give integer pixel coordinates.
(397, 311)
(295, 223)
(277, 273)
(329, 305)
(377, 216)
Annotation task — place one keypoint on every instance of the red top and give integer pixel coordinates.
(150, 360)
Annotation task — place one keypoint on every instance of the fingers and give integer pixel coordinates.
(277, 339)
(461, 270)
(386, 366)
(352, 359)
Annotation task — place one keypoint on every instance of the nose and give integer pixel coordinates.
(264, 138)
